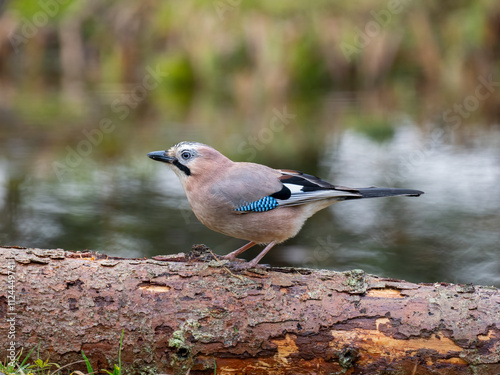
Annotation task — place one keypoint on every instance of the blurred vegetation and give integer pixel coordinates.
(74, 62)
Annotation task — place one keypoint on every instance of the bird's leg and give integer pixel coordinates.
(235, 253)
(257, 259)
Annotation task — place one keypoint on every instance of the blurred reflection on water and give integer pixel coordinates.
(135, 207)
(451, 233)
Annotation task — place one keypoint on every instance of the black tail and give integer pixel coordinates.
(374, 192)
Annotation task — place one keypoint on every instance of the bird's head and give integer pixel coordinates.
(190, 160)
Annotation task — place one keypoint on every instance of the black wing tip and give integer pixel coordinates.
(374, 192)
(414, 193)
(417, 194)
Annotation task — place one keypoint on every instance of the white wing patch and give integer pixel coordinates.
(294, 189)
(299, 196)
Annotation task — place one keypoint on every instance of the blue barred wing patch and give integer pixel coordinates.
(262, 205)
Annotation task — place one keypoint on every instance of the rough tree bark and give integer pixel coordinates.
(192, 314)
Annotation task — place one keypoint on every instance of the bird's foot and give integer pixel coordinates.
(232, 255)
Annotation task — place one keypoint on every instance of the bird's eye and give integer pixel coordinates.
(186, 155)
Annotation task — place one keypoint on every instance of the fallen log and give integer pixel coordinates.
(193, 314)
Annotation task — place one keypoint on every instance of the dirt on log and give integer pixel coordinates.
(193, 314)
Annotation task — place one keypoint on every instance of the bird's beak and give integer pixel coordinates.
(161, 156)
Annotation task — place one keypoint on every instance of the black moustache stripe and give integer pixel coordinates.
(182, 167)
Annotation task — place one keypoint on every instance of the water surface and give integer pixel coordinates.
(128, 205)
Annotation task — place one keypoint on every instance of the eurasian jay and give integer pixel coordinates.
(251, 201)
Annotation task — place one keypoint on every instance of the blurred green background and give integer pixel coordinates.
(387, 93)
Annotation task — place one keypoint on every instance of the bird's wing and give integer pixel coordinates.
(252, 187)
(300, 188)
(245, 183)
(256, 188)
(306, 188)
